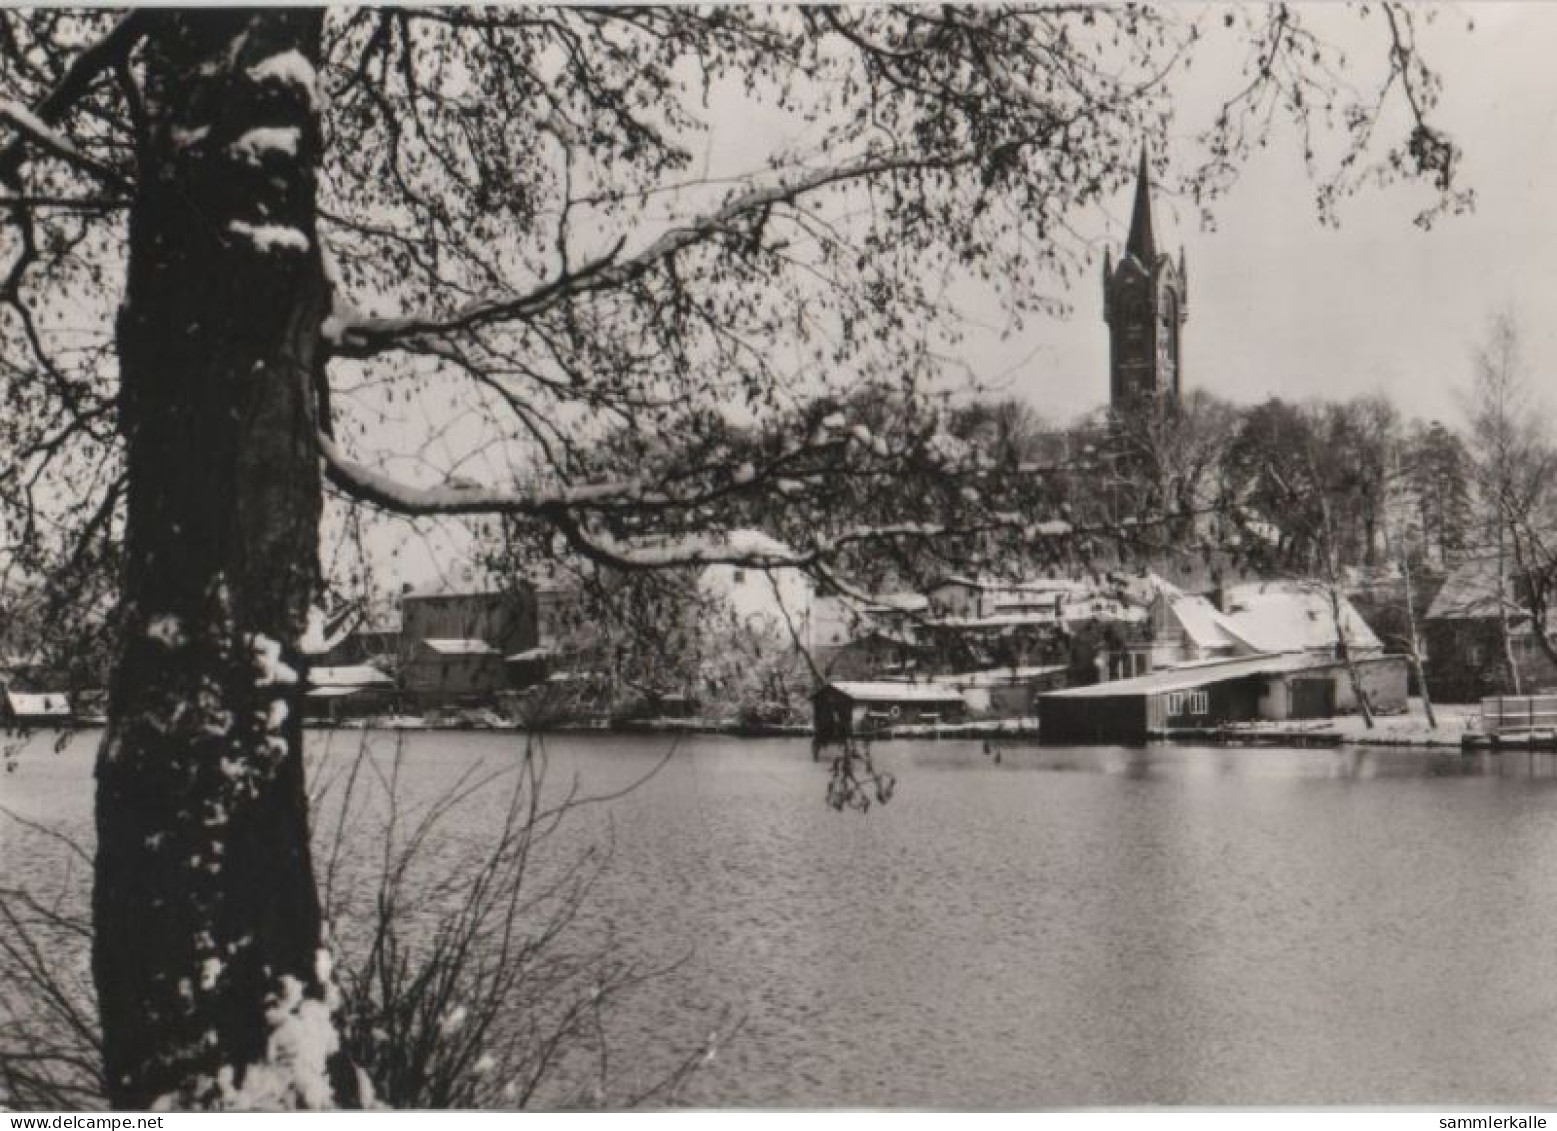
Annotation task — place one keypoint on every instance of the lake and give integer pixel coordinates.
(1093, 926)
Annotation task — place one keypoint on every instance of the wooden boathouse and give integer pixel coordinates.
(1197, 697)
(861, 709)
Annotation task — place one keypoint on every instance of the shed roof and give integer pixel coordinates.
(997, 677)
(453, 647)
(349, 676)
(885, 691)
(1194, 675)
(49, 704)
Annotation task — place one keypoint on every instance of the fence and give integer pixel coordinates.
(1518, 714)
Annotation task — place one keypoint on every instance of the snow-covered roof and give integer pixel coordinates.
(35, 705)
(445, 646)
(1281, 616)
(334, 692)
(1192, 675)
(999, 620)
(529, 655)
(348, 676)
(997, 677)
(1204, 624)
(885, 691)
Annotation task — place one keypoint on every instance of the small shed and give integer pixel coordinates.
(348, 691)
(38, 708)
(849, 709)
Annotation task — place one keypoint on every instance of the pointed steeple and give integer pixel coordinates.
(1142, 243)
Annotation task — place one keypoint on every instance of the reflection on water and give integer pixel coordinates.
(1069, 926)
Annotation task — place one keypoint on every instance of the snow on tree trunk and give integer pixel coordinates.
(213, 982)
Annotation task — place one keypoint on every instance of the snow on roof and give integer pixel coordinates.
(529, 655)
(885, 691)
(1145, 588)
(333, 692)
(1277, 616)
(348, 676)
(997, 677)
(48, 704)
(1470, 592)
(1193, 675)
(1203, 623)
(452, 647)
(999, 620)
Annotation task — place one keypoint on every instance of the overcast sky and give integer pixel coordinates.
(1282, 306)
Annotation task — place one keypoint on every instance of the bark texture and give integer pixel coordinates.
(211, 980)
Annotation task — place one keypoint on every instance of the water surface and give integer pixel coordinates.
(1066, 927)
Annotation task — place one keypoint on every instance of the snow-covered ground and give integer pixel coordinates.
(1407, 729)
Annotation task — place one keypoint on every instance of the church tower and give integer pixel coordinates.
(1144, 304)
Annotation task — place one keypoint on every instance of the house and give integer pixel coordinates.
(453, 642)
(878, 651)
(453, 671)
(849, 709)
(965, 599)
(1465, 658)
(371, 641)
(1190, 629)
(854, 638)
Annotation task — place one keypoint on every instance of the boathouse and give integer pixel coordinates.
(35, 708)
(348, 691)
(849, 709)
(1276, 686)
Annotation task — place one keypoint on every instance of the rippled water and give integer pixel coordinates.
(1066, 927)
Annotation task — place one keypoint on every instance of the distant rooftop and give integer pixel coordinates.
(885, 691)
(454, 647)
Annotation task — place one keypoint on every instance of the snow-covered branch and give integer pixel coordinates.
(101, 56)
(33, 129)
(461, 498)
(351, 334)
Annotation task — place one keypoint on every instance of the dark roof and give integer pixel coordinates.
(1470, 591)
(1142, 242)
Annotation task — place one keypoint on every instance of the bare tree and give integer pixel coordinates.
(241, 243)
(1512, 468)
(1401, 553)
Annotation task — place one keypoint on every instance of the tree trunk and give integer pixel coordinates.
(1343, 650)
(1414, 654)
(1505, 634)
(213, 982)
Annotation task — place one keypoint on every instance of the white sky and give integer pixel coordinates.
(1280, 306)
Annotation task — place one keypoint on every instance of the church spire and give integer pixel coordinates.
(1142, 244)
